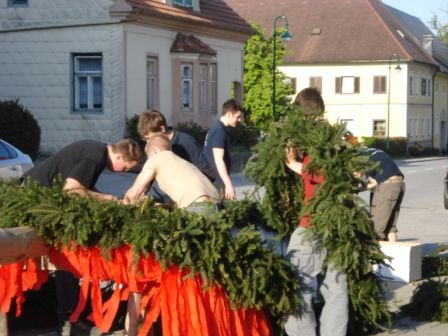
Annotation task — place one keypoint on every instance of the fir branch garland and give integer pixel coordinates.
(338, 216)
(252, 274)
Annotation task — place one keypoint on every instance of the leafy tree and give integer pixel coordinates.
(258, 57)
(440, 28)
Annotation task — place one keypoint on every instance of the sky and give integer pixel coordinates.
(423, 9)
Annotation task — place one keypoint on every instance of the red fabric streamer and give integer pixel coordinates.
(185, 307)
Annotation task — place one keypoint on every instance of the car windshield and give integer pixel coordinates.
(6, 152)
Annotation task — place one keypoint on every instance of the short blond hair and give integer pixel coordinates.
(158, 141)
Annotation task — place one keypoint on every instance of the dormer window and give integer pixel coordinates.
(183, 3)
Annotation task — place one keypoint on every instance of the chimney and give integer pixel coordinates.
(427, 43)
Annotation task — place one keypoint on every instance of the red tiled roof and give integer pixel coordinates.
(351, 30)
(190, 44)
(213, 13)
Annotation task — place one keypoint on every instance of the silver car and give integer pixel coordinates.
(13, 163)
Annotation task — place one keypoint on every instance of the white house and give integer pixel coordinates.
(84, 67)
(350, 49)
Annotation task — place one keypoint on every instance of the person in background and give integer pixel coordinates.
(386, 196)
(183, 182)
(80, 165)
(217, 146)
(182, 144)
(305, 253)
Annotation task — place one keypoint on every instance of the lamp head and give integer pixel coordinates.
(398, 68)
(286, 36)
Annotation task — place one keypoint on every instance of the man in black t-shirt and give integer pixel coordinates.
(80, 165)
(217, 146)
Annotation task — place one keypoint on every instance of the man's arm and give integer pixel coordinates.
(72, 186)
(218, 156)
(140, 186)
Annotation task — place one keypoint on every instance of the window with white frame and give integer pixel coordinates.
(18, 3)
(213, 88)
(347, 84)
(410, 129)
(428, 126)
(379, 128)
(184, 3)
(187, 86)
(411, 85)
(349, 124)
(88, 82)
(379, 84)
(422, 127)
(416, 127)
(203, 71)
(152, 82)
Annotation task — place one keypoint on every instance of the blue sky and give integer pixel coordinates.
(423, 9)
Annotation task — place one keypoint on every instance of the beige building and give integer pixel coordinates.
(350, 50)
(84, 67)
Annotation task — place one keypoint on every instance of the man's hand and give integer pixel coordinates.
(371, 183)
(229, 192)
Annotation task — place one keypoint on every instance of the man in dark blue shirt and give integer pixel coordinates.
(217, 146)
(386, 198)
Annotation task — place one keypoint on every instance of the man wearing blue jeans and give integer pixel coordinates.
(305, 253)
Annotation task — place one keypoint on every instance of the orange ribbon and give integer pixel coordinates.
(185, 307)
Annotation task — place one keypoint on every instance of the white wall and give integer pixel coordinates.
(362, 107)
(51, 12)
(35, 66)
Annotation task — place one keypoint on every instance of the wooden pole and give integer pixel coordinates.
(17, 244)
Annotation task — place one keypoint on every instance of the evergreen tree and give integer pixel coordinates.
(258, 61)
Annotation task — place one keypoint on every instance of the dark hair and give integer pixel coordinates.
(311, 100)
(232, 106)
(150, 121)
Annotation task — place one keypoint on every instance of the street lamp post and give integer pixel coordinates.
(395, 57)
(285, 36)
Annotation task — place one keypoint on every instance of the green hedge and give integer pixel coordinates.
(397, 145)
(19, 127)
(242, 137)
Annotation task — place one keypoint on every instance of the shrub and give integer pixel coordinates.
(415, 150)
(243, 137)
(397, 145)
(196, 131)
(19, 127)
(131, 131)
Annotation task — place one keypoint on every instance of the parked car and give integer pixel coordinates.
(445, 190)
(13, 163)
